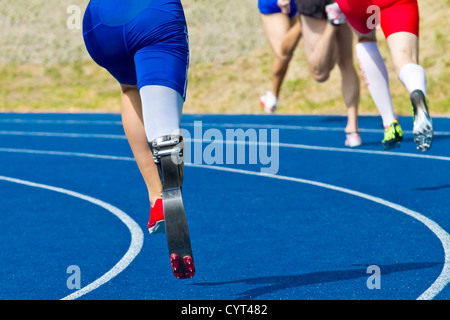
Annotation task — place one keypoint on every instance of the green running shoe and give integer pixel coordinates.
(392, 136)
(423, 126)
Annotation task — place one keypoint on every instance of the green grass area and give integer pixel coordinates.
(229, 87)
(46, 68)
(68, 87)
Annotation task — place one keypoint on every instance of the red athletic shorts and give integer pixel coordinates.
(395, 15)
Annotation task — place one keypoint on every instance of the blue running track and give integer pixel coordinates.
(305, 219)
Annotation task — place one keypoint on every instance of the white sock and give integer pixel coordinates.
(376, 75)
(413, 77)
(162, 110)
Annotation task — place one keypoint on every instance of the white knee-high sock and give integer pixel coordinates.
(413, 77)
(162, 109)
(376, 75)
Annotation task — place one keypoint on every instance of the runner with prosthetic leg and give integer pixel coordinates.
(144, 45)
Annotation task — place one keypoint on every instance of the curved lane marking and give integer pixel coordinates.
(439, 284)
(137, 236)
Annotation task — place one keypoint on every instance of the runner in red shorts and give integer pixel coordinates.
(399, 20)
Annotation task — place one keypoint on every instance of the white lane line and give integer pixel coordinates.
(443, 279)
(386, 153)
(67, 121)
(294, 127)
(137, 236)
(439, 284)
(284, 145)
(63, 134)
(206, 124)
(62, 153)
(320, 148)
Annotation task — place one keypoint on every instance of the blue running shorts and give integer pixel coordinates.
(140, 42)
(271, 6)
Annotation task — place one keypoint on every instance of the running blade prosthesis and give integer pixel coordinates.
(423, 126)
(168, 155)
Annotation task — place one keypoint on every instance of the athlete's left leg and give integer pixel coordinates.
(283, 34)
(133, 124)
(350, 79)
(375, 73)
(376, 76)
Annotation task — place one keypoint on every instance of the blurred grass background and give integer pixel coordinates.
(44, 66)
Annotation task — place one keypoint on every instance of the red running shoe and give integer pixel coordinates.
(156, 222)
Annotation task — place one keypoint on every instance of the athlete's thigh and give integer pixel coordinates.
(312, 30)
(345, 45)
(276, 26)
(399, 16)
(314, 21)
